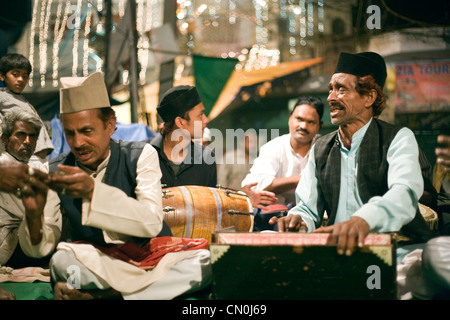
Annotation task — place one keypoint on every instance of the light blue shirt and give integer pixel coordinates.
(387, 213)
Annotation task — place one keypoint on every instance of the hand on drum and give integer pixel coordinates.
(347, 235)
(259, 198)
(292, 222)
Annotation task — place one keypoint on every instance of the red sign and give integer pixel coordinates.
(422, 87)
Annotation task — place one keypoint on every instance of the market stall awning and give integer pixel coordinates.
(242, 79)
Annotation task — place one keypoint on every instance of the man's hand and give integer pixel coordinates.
(72, 182)
(34, 197)
(347, 235)
(443, 154)
(292, 222)
(15, 175)
(259, 198)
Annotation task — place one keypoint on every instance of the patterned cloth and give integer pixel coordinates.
(29, 274)
(148, 257)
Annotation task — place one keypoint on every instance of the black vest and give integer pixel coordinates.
(120, 173)
(372, 173)
(198, 168)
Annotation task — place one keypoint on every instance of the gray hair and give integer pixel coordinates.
(11, 117)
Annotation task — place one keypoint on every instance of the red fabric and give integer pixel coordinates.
(274, 208)
(149, 256)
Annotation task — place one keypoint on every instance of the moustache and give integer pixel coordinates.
(82, 150)
(26, 149)
(302, 130)
(336, 105)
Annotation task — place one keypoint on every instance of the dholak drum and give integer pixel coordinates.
(197, 211)
(430, 216)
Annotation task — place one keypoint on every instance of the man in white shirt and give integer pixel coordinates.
(366, 175)
(280, 163)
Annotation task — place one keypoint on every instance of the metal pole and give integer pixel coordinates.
(134, 67)
(108, 27)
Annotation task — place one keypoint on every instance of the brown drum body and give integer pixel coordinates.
(197, 211)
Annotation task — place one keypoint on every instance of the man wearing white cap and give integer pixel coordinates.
(110, 192)
(366, 175)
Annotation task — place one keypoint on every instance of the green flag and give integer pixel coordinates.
(211, 74)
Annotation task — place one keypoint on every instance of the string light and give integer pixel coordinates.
(76, 34)
(58, 34)
(87, 30)
(310, 18)
(320, 14)
(121, 6)
(302, 22)
(32, 34)
(43, 36)
(299, 14)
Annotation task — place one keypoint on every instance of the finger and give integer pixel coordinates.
(443, 139)
(442, 152)
(443, 161)
(332, 238)
(37, 184)
(247, 187)
(268, 194)
(294, 223)
(27, 191)
(361, 238)
(41, 175)
(352, 239)
(68, 169)
(340, 237)
(327, 229)
(273, 220)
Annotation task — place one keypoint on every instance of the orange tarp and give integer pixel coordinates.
(239, 79)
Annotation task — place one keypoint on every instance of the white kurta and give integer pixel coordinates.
(277, 159)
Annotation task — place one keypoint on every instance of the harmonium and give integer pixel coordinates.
(287, 265)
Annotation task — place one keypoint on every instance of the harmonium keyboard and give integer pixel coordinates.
(272, 266)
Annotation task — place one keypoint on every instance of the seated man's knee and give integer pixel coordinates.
(60, 263)
(436, 260)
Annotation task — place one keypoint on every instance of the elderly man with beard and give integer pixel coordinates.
(366, 175)
(24, 232)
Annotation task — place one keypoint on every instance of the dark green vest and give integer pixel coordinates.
(372, 173)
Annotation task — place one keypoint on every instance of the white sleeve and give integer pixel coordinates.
(265, 167)
(112, 210)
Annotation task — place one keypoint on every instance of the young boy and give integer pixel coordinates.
(15, 70)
